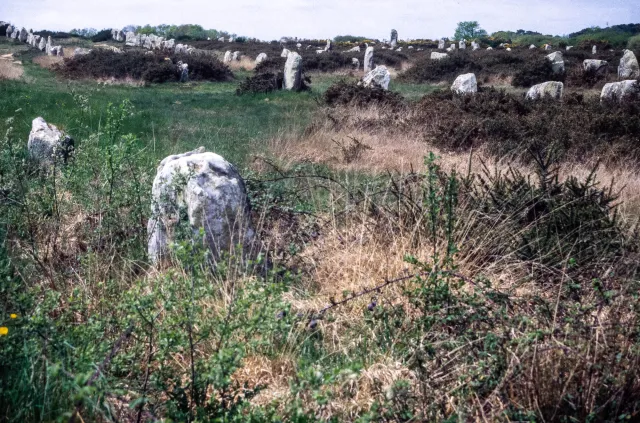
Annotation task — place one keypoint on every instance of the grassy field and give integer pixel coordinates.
(432, 258)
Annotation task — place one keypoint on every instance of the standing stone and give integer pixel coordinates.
(379, 77)
(133, 40)
(236, 56)
(394, 38)
(462, 44)
(453, 47)
(81, 51)
(181, 49)
(228, 56)
(465, 84)
(552, 89)
(441, 45)
(47, 143)
(221, 39)
(285, 53)
(328, 47)
(547, 47)
(620, 91)
(628, 68)
(597, 66)
(356, 63)
(22, 37)
(532, 47)
(16, 34)
(214, 197)
(438, 56)
(120, 36)
(183, 68)
(475, 46)
(569, 48)
(557, 62)
(594, 50)
(489, 48)
(368, 59)
(169, 44)
(9, 31)
(48, 45)
(261, 58)
(293, 72)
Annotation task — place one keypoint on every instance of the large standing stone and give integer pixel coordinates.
(181, 49)
(368, 59)
(594, 50)
(475, 46)
(394, 38)
(210, 191)
(9, 31)
(557, 62)
(438, 56)
(168, 44)
(453, 46)
(628, 68)
(228, 56)
(293, 72)
(16, 34)
(550, 89)
(47, 143)
(441, 45)
(356, 63)
(328, 47)
(462, 44)
(22, 37)
(236, 56)
(596, 66)
(120, 36)
(465, 84)
(285, 53)
(619, 91)
(133, 39)
(48, 45)
(261, 58)
(379, 77)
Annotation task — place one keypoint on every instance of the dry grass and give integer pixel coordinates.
(10, 70)
(47, 62)
(245, 63)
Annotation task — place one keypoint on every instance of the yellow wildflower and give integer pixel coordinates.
(4, 330)
(13, 316)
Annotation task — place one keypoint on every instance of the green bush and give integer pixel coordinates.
(102, 36)
(634, 43)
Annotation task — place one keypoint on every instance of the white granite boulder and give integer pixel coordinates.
(465, 84)
(285, 53)
(228, 56)
(261, 58)
(441, 45)
(557, 62)
(551, 89)
(438, 56)
(378, 77)
(628, 68)
(596, 66)
(204, 194)
(620, 91)
(47, 144)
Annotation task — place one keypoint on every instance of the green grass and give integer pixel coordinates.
(169, 118)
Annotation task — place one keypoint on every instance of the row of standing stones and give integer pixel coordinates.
(34, 40)
(628, 72)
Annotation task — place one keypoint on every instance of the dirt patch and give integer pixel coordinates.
(47, 62)
(10, 69)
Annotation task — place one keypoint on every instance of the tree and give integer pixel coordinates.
(469, 30)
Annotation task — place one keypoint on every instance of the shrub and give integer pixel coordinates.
(261, 83)
(350, 93)
(271, 65)
(102, 36)
(634, 43)
(535, 73)
(427, 70)
(102, 63)
(3, 30)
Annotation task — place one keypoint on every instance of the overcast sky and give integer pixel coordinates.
(271, 19)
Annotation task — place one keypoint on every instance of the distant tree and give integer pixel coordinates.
(84, 33)
(350, 39)
(469, 30)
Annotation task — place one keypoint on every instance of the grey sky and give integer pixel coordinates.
(271, 19)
